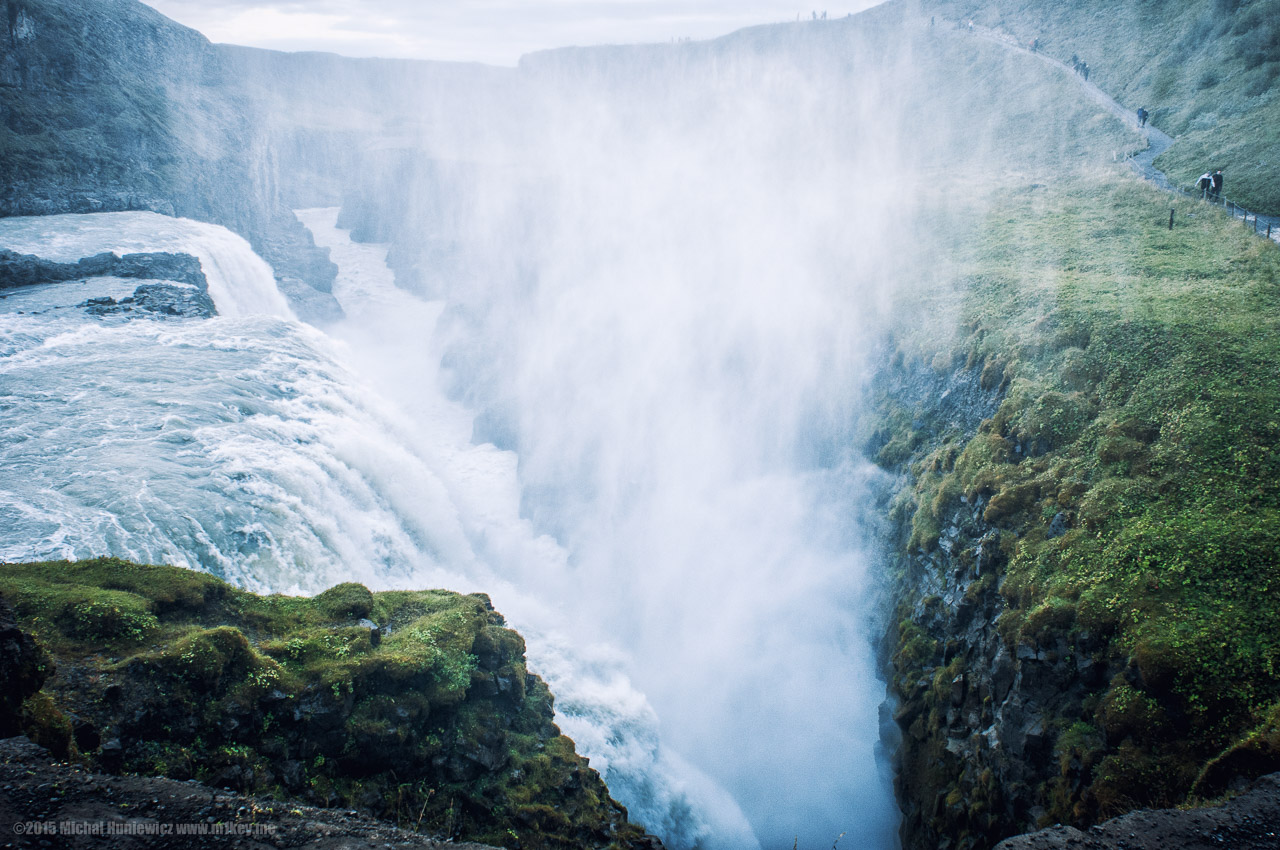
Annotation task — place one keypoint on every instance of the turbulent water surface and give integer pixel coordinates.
(288, 459)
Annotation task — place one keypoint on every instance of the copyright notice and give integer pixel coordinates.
(140, 828)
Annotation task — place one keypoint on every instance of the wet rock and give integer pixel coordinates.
(157, 300)
(1247, 822)
(310, 304)
(24, 667)
(112, 756)
(292, 774)
(375, 634)
(30, 270)
(86, 735)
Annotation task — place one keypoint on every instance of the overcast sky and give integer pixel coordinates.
(493, 31)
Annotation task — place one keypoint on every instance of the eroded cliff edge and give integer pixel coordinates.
(411, 706)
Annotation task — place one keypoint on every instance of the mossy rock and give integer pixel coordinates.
(437, 724)
(1255, 754)
(1127, 712)
(349, 601)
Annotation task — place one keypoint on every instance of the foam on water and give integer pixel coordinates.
(265, 451)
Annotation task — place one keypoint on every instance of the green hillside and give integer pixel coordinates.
(1084, 409)
(1129, 476)
(1205, 69)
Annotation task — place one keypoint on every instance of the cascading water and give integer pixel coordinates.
(668, 290)
(240, 283)
(261, 450)
(667, 324)
(203, 443)
(391, 337)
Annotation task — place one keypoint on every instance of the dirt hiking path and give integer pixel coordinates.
(1158, 141)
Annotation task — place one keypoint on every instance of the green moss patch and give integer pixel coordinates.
(430, 720)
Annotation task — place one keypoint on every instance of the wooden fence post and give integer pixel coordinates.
(1171, 218)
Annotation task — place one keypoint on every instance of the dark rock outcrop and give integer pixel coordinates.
(85, 809)
(29, 270)
(23, 669)
(1250, 821)
(158, 299)
(176, 284)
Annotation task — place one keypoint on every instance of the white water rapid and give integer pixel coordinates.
(666, 325)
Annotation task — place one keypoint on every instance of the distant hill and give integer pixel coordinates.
(1205, 69)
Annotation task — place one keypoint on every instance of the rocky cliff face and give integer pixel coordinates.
(951, 674)
(111, 106)
(984, 703)
(978, 704)
(978, 711)
(1086, 534)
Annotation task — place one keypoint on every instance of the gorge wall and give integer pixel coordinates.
(1086, 528)
(111, 106)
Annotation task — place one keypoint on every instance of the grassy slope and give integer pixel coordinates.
(1206, 69)
(436, 726)
(1140, 375)
(970, 107)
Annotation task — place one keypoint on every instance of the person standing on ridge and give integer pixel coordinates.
(1142, 116)
(1203, 184)
(1215, 185)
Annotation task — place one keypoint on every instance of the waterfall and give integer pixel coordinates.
(240, 282)
(393, 337)
(627, 416)
(267, 452)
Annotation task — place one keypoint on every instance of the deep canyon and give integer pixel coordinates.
(827, 407)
